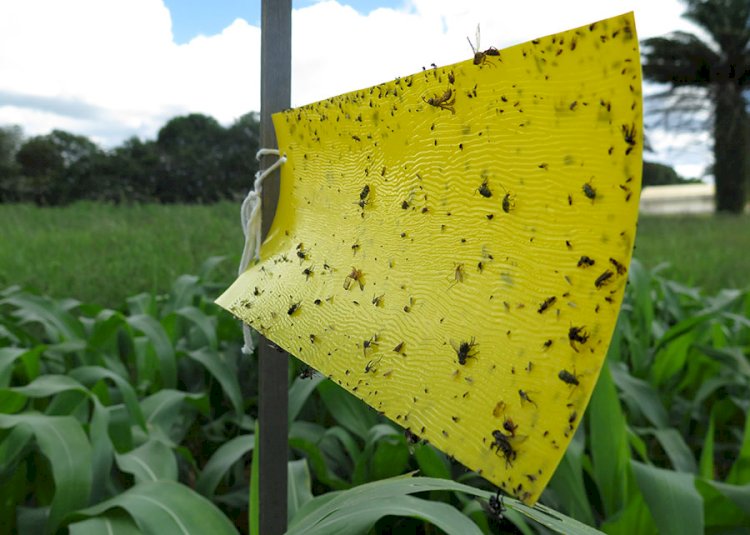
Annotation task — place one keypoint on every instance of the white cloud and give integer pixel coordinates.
(110, 69)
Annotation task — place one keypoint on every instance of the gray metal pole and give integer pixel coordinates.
(275, 95)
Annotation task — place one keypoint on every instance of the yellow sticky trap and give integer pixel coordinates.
(452, 247)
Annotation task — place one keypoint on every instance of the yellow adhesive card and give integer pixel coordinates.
(452, 247)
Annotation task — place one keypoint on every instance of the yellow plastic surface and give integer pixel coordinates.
(452, 246)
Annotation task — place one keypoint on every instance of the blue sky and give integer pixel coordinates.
(191, 18)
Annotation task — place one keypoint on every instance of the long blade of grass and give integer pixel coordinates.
(322, 508)
(672, 498)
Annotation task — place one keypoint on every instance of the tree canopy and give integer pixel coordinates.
(193, 159)
(718, 67)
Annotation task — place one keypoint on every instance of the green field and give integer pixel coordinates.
(102, 253)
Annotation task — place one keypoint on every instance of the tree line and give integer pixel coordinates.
(194, 159)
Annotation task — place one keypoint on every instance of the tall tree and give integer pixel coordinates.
(719, 68)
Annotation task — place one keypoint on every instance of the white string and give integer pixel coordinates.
(251, 218)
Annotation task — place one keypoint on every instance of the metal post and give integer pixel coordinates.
(275, 95)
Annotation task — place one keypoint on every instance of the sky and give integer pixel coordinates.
(112, 69)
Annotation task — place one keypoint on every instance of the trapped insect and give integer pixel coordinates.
(480, 58)
(356, 275)
(444, 102)
(464, 350)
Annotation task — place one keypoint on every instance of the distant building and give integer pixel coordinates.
(678, 199)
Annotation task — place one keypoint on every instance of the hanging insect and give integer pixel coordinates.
(585, 261)
(480, 58)
(464, 350)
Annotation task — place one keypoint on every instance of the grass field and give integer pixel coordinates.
(102, 254)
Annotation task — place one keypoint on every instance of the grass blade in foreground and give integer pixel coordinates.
(333, 511)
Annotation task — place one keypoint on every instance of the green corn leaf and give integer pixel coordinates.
(58, 323)
(104, 329)
(706, 462)
(152, 461)
(568, 486)
(740, 472)
(221, 461)
(113, 523)
(299, 486)
(102, 451)
(374, 500)
(635, 518)
(62, 441)
(91, 374)
(216, 364)
(672, 498)
(203, 324)
(184, 290)
(609, 444)
(164, 508)
(164, 409)
(431, 461)
(299, 392)
(726, 506)
(677, 450)
(155, 333)
(348, 411)
(12, 446)
(640, 396)
(8, 358)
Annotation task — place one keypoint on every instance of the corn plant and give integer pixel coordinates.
(142, 420)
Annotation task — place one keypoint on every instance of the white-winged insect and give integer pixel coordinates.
(480, 58)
